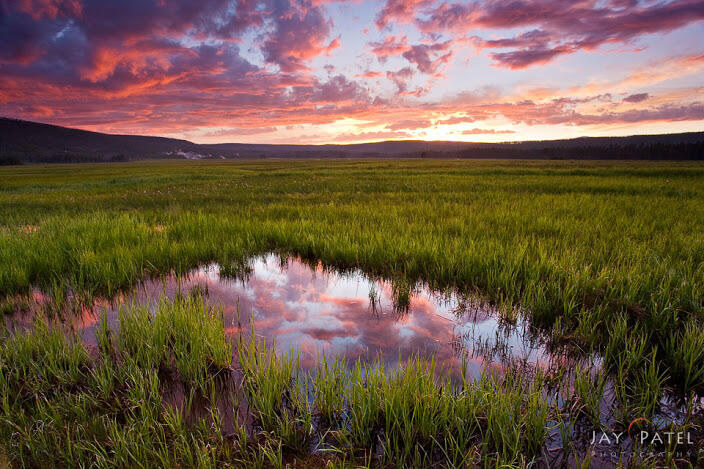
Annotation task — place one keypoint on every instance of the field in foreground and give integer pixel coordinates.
(602, 257)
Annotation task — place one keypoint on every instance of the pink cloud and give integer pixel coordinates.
(158, 67)
(239, 132)
(563, 112)
(369, 74)
(399, 10)
(299, 35)
(477, 131)
(410, 124)
(50, 8)
(456, 120)
(400, 78)
(390, 46)
(375, 135)
(426, 57)
(528, 57)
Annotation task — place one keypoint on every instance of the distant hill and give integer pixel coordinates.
(31, 142)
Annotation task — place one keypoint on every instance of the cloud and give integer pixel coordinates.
(173, 65)
(533, 47)
(228, 132)
(528, 57)
(455, 120)
(95, 37)
(428, 58)
(533, 38)
(558, 27)
(646, 75)
(564, 112)
(400, 78)
(38, 9)
(339, 88)
(477, 131)
(398, 10)
(410, 124)
(300, 33)
(371, 136)
(242, 67)
(636, 98)
(669, 112)
(390, 46)
(369, 74)
(66, 42)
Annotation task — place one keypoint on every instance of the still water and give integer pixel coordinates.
(310, 309)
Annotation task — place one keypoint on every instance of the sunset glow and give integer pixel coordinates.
(329, 71)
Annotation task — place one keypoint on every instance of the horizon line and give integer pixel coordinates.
(370, 142)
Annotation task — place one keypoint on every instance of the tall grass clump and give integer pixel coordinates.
(685, 351)
(329, 384)
(364, 397)
(414, 416)
(41, 361)
(588, 393)
(187, 331)
(63, 406)
(277, 394)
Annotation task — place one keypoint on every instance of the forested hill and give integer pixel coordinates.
(31, 142)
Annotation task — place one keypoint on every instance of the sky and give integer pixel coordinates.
(345, 71)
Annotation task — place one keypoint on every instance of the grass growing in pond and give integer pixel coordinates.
(186, 331)
(63, 405)
(589, 393)
(563, 239)
(276, 394)
(329, 385)
(60, 406)
(410, 417)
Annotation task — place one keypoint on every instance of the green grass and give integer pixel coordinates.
(62, 406)
(605, 257)
(412, 417)
(584, 242)
(187, 332)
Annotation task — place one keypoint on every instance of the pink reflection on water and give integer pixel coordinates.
(313, 310)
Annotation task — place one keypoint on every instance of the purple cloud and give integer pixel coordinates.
(636, 98)
(559, 27)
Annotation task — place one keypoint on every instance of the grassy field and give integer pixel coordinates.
(603, 257)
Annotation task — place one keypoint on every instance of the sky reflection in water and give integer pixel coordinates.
(311, 309)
